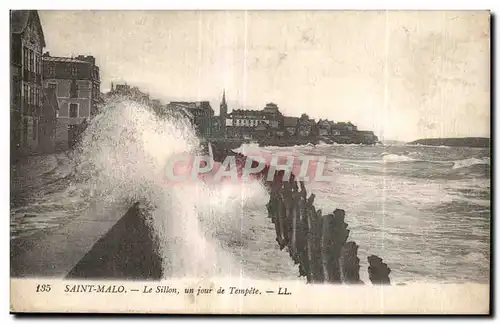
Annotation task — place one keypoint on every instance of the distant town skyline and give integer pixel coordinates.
(404, 75)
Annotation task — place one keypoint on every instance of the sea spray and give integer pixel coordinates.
(121, 157)
(436, 219)
(465, 163)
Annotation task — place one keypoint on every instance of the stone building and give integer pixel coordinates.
(217, 129)
(366, 137)
(26, 46)
(306, 127)
(132, 93)
(48, 121)
(290, 125)
(242, 123)
(324, 127)
(202, 115)
(240, 118)
(273, 115)
(343, 128)
(76, 82)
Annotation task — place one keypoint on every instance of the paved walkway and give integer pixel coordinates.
(104, 241)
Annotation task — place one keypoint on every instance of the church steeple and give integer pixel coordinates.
(223, 113)
(223, 105)
(224, 98)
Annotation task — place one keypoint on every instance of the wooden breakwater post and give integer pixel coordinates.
(317, 243)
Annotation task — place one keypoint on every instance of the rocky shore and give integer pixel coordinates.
(454, 142)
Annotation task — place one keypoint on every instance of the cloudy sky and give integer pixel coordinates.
(405, 75)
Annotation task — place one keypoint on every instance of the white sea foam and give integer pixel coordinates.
(122, 157)
(476, 257)
(215, 228)
(322, 144)
(470, 162)
(391, 158)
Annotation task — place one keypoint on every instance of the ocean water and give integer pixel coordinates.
(424, 210)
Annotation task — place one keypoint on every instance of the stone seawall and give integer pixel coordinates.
(106, 242)
(127, 251)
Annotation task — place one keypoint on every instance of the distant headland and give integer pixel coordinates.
(454, 142)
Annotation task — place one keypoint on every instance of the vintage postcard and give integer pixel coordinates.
(250, 162)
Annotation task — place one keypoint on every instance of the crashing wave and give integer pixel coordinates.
(391, 158)
(470, 162)
(122, 158)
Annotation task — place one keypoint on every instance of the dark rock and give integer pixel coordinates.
(378, 271)
(335, 234)
(349, 264)
(454, 142)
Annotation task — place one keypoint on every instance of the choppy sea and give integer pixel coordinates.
(425, 210)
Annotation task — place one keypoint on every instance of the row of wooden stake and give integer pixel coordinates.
(318, 243)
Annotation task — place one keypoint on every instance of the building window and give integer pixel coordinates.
(25, 130)
(32, 90)
(35, 124)
(28, 106)
(16, 48)
(73, 91)
(31, 100)
(74, 71)
(52, 85)
(73, 110)
(16, 91)
(25, 59)
(25, 97)
(52, 69)
(31, 63)
(37, 96)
